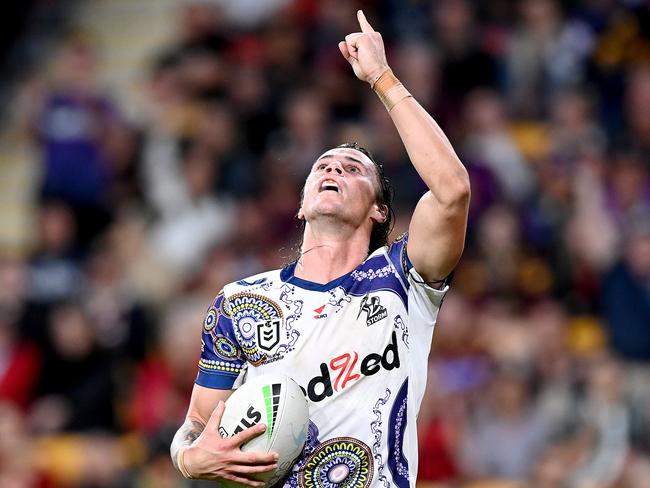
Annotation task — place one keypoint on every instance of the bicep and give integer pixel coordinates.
(204, 401)
(437, 236)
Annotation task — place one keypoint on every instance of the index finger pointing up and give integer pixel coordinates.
(363, 22)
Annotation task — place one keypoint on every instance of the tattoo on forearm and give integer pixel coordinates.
(193, 432)
(185, 436)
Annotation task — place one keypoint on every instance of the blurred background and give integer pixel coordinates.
(153, 150)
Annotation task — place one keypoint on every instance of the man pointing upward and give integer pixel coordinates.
(362, 359)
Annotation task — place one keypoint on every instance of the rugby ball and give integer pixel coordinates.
(277, 401)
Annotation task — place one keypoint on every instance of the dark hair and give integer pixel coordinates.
(380, 232)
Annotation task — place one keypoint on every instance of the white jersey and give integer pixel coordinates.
(358, 346)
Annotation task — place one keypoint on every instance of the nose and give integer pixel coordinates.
(334, 166)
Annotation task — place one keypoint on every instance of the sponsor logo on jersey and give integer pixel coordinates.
(375, 311)
(348, 368)
(319, 312)
(268, 334)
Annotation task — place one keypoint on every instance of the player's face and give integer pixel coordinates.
(343, 183)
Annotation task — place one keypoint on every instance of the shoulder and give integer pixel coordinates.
(396, 254)
(254, 282)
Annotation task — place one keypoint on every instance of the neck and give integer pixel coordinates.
(326, 256)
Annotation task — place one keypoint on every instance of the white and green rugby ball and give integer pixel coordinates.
(278, 402)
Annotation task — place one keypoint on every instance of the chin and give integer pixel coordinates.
(327, 209)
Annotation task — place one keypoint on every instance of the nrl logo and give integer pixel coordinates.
(268, 334)
(375, 311)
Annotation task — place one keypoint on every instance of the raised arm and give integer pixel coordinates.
(437, 228)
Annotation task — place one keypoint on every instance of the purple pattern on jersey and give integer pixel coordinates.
(340, 462)
(399, 257)
(251, 283)
(376, 431)
(256, 321)
(397, 463)
(400, 325)
(373, 275)
(295, 312)
(339, 298)
(221, 360)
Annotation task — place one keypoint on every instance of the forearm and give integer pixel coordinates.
(428, 147)
(199, 452)
(184, 437)
(437, 228)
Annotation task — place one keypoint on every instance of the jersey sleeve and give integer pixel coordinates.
(424, 301)
(398, 257)
(221, 358)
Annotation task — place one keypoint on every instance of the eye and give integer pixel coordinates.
(353, 169)
(321, 166)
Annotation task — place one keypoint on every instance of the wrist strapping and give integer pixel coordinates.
(180, 461)
(390, 90)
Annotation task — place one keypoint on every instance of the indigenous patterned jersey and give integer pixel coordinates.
(358, 346)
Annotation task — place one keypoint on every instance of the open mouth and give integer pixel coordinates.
(329, 186)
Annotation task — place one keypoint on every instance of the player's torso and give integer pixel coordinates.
(347, 347)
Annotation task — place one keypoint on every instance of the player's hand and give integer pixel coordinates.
(214, 457)
(365, 51)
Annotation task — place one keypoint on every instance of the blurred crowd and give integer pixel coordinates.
(540, 370)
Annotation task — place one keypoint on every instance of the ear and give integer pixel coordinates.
(301, 214)
(379, 213)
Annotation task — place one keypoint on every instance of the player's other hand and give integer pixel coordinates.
(365, 51)
(214, 457)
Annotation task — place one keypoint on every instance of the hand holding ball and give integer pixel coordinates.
(278, 402)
